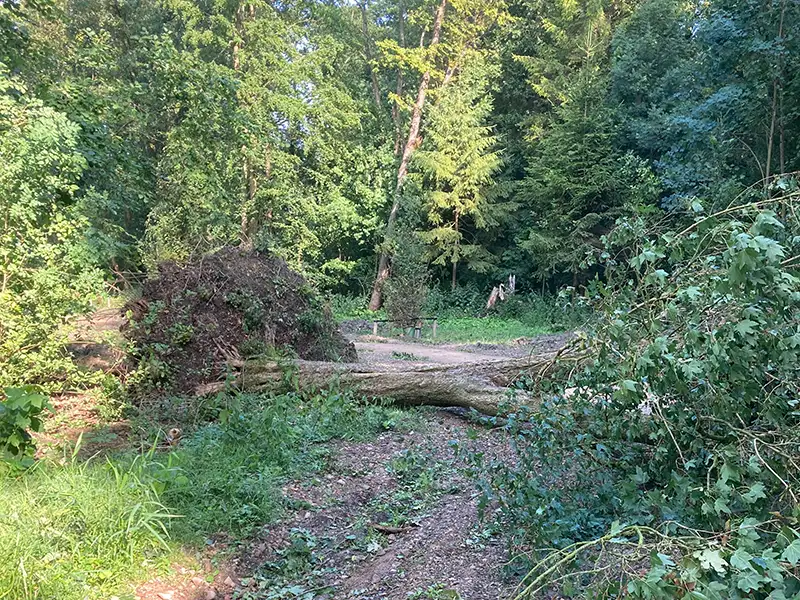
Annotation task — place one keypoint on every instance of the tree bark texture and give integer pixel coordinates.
(412, 142)
(481, 386)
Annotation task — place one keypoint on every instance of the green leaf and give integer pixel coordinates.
(728, 473)
(746, 327)
(711, 559)
(741, 560)
(666, 560)
(755, 493)
(750, 581)
(720, 507)
(792, 553)
(616, 528)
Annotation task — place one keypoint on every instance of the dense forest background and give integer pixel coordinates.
(500, 137)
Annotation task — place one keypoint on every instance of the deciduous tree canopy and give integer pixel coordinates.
(510, 136)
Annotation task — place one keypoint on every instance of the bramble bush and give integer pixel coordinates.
(663, 463)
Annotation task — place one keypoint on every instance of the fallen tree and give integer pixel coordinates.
(481, 386)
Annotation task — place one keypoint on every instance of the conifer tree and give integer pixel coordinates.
(457, 30)
(458, 161)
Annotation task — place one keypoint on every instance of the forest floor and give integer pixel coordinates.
(391, 518)
(394, 517)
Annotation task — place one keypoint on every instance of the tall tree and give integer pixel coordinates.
(458, 161)
(702, 92)
(577, 181)
(451, 40)
(412, 141)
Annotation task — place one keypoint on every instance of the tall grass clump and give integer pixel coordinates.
(79, 530)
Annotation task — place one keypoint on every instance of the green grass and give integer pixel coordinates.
(232, 473)
(80, 530)
(487, 329)
(72, 530)
(457, 312)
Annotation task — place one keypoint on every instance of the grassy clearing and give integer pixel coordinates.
(487, 329)
(462, 316)
(75, 530)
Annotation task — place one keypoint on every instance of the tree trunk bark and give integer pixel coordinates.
(776, 85)
(376, 91)
(453, 282)
(480, 386)
(401, 37)
(412, 143)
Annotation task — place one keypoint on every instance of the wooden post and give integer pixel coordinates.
(374, 328)
(418, 330)
(435, 327)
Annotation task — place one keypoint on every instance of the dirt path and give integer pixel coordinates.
(389, 519)
(381, 349)
(373, 351)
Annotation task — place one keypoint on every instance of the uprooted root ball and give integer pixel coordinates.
(193, 319)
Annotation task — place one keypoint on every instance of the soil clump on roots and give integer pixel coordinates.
(193, 319)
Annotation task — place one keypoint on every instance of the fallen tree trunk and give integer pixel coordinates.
(481, 386)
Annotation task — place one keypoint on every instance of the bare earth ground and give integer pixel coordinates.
(372, 348)
(389, 519)
(436, 540)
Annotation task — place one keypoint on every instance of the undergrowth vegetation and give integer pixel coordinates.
(75, 529)
(81, 529)
(672, 439)
(227, 475)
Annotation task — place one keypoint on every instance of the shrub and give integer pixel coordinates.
(678, 441)
(20, 412)
(47, 272)
(406, 290)
(461, 301)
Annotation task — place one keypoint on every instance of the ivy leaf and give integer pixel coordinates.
(692, 292)
(720, 506)
(747, 529)
(751, 581)
(22, 422)
(728, 473)
(711, 559)
(746, 327)
(666, 560)
(616, 528)
(741, 560)
(792, 553)
(755, 493)
(692, 369)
